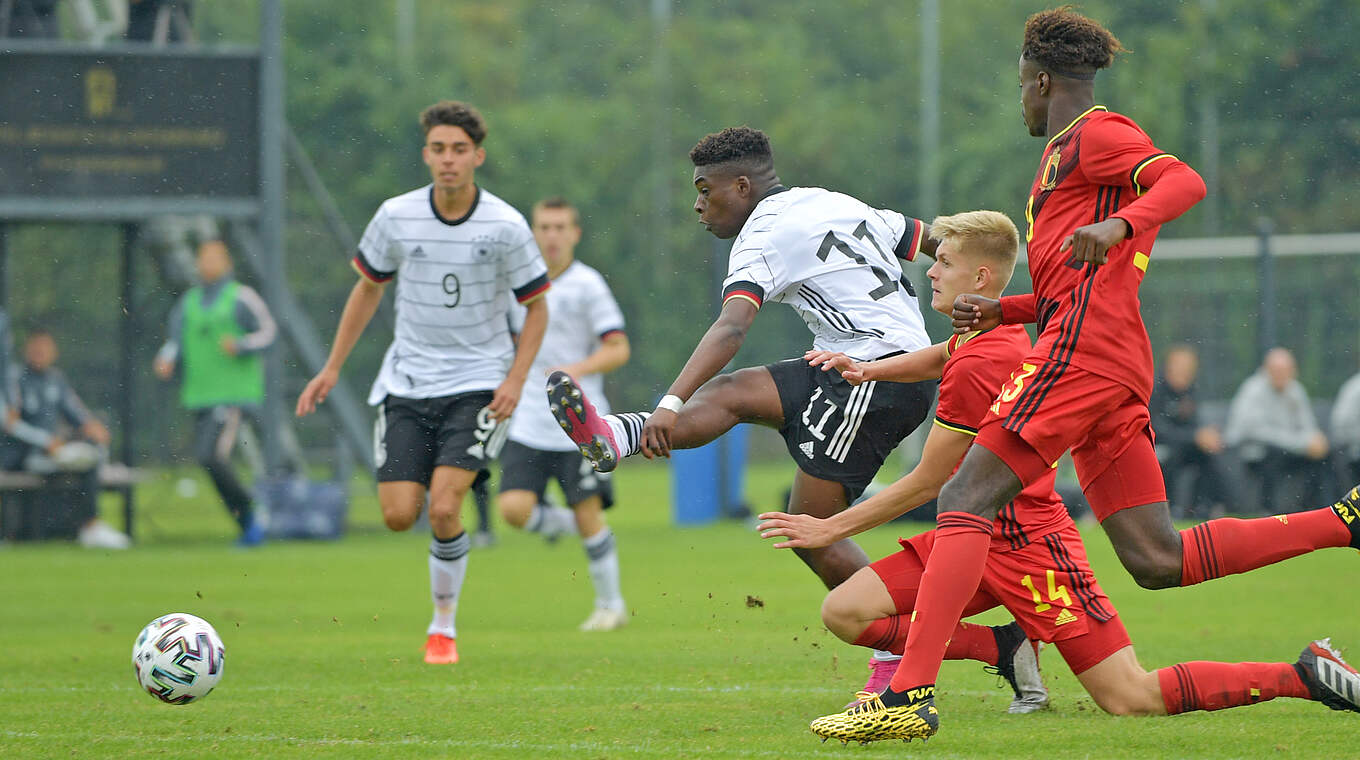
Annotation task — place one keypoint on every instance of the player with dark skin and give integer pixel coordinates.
(727, 194)
(1148, 544)
(1088, 396)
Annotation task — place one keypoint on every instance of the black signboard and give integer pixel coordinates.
(143, 130)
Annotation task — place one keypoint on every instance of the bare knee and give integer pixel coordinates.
(1117, 705)
(398, 518)
(515, 507)
(1148, 545)
(720, 383)
(1152, 565)
(840, 617)
(1134, 699)
(446, 506)
(1120, 686)
(1157, 576)
(962, 498)
(401, 503)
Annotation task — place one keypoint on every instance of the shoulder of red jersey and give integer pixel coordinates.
(974, 372)
(998, 340)
(1118, 135)
(1111, 118)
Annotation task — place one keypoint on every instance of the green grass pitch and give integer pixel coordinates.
(324, 640)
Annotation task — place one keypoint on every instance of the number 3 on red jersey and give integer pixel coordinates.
(1011, 390)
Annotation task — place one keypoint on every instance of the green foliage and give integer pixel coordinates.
(597, 102)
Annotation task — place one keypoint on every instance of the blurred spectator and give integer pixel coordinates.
(1272, 426)
(1346, 429)
(218, 331)
(28, 18)
(90, 25)
(1186, 446)
(52, 432)
(160, 21)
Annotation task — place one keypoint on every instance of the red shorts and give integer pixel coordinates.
(1048, 586)
(1048, 408)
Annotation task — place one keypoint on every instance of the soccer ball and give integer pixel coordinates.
(178, 658)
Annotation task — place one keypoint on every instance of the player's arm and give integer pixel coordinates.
(360, 307)
(915, 239)
(928, 244)
(612, 353)
(168, 355)
(79, 416)
(913, 367)
(506, 397)
(1167, 187)
(256, 323)
(974, 312)
(945, 446)
(715, 350)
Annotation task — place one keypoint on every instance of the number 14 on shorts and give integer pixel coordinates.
(1055, 592)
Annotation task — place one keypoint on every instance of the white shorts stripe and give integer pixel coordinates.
(855, 409)
(851, 402)
(859, 420)
(380, 436)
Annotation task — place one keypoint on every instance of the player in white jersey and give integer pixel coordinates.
(452, 375)
(586, 339)
(833, 259)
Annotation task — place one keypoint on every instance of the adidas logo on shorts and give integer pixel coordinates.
(806, 447)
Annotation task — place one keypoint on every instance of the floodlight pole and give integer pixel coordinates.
(661, 133)
(1267, 336)
(4, 269)
(1210, 152)
(271, 219)
(127, 369)
(929, 161)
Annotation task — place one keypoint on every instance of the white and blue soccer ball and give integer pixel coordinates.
(178, 658)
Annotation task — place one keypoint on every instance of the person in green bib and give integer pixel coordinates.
(219, 331)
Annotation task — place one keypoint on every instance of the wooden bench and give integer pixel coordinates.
(114, 477)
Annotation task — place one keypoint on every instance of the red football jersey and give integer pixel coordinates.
(978, 365)
(1089, 316)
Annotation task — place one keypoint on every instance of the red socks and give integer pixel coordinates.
(1220, 685)
(1228, 546)
(951, 577)
(973, 642)
(969, 642)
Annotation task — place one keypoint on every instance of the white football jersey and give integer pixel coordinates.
(581, 312)
(831, 257)
(455, 279)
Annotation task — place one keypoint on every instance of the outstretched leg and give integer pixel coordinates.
(1121, 686)
(1158, 556)
(824, 498)
(747, 395)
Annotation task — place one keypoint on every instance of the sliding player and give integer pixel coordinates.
(1035, 565)
(1100, 195)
